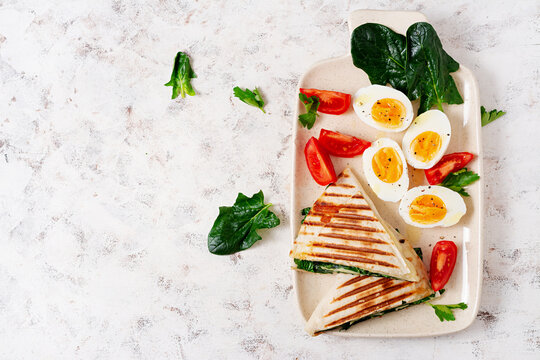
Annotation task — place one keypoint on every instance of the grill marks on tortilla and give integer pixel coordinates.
(351, 248)
(367, 295)
(356, 259)
(344, 221)
(370, 310)
(353, 238)
(342, 228)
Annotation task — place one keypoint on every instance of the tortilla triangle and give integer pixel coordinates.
(355, 298)
(344, 233)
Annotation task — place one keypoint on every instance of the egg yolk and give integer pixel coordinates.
(427, 209)
(389, 113)
(387, 165)
(426, 146)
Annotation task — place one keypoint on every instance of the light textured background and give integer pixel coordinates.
(108, 188)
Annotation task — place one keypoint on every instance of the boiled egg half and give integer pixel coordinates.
(383, 108)
(385, 169)
(427, 139)
(431, 206)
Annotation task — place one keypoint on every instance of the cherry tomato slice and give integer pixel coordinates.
(342, 145)
(319, 164)
(331, 102)
(443, 260)
(448, 164)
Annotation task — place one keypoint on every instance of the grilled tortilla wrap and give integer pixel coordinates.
(356, 298)
(343, 227)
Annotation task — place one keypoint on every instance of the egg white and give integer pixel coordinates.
(385, 191)
(432, 120)
(455, 206)
(366, 97)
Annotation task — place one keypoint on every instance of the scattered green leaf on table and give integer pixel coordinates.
(305, 212)
(252, 98)
(236, 226)
(312, 105)
(381, 53)
(181, 76)
(444, 312)
(458, 180)
(491, 116)
(429, 68)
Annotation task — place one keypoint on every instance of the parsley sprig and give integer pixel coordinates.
(458, 180)
(312, 105)
(444, 312)
(252, 98)
(491, 116)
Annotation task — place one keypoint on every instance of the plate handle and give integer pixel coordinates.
(398, 21)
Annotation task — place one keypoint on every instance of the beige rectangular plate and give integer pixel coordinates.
(340, 74)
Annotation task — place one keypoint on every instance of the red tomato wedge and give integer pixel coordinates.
(342, 145)
(448, 164)
(443, 260)
(319, 164)
(331, 102)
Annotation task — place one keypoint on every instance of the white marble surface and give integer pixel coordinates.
(108, 188)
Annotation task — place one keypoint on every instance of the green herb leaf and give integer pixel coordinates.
(312, 105)
(305, 212)
(181, 76)
(328, 268)
(252, 98)
(491, 116)
(458, 180)
(381, 53)
(444, 312)
(429, 68)
(236, 226)
(419, 253)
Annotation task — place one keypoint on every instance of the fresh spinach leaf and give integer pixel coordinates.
(305, 212)
(488, 117)
(429, 68)
(312, 105)
(381, 53)
(458, 180)
(444, 312)
(328, 268)
(416, 64)
(419, 253)
(181, 76)
(252, 98)
(236, 226)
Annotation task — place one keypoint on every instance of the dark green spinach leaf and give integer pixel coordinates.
(328, 268)
(429, 68)
(381, 53)
(236, 226)
(488, 117)
(312, 105)
(252, 98)
(181, 76)
(305, 212)
(419, 253)
(458, 180)
(416, 64)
